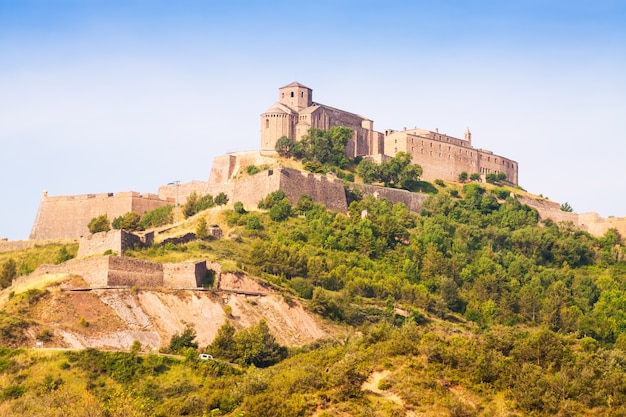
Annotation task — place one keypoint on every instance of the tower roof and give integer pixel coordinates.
(279, 108)
(294, 84)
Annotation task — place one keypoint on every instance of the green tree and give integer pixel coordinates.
(221, 199)
(224, 345)
(284, 145)
(257, 346)
(99, 224)
(475, 176)
(130, 221)
(281, 211)
(158, 217)
(566, 207)
(180, 341)
(7, 273)
(238, 207)
(368, 170)
(201, 229)
(189, 208)
(463, 176)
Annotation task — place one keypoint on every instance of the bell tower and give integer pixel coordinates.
(468, 135)
(296, 96)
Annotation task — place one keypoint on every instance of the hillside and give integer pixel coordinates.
(471, 308)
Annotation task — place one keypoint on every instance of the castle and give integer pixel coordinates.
(441, 157)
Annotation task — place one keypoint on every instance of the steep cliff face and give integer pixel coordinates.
(113, 319)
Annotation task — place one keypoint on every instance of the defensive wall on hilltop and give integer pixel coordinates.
(589, 222)
(120, 271)
(67, 217)
(116, 241)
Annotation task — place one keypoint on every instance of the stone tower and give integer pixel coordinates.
(468, 135)
(296, 96)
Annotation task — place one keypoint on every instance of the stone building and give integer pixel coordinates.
(445, 157)
(296, 112)
(441, 156)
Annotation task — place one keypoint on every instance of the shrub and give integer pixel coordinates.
(253, 223)
(186, 339)
(440, 183)
(221, 199)
(201, 229)
(157, 217)
(252, 169)
(238, 207)
(99, 224)
(8, 272)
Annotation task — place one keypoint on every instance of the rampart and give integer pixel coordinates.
(113, 271)
(179, 275)
(67, 217)
(116, 241)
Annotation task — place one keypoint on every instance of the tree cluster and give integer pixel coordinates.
(324, 147)
(398, 172)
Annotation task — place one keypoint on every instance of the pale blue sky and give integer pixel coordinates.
(106, 96)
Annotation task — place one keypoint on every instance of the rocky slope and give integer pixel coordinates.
(112, 319)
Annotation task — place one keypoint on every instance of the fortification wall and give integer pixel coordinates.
(67, 217)
(321, 188)
(413, 201)
(12, 245)
(130, 272)
(117, 241)
(250, 190)
(92, 270)
(184, 275)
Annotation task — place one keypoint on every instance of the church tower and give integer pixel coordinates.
(296, 96)
(468, 135)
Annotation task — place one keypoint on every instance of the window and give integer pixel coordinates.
(292, 94)
(267, 123)
(302, 94)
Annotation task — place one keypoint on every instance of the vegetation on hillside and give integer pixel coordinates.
(471, 307)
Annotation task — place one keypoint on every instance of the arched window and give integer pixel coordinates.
(302, 94)
(292, 94)
(267, 123)
(282, 95)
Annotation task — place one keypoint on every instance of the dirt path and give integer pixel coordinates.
(371, 385)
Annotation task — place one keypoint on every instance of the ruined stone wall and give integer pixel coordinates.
(67, 217)
(184, 275)
(130, 272)
(93, 270)
(8, 246)
(117, 241)
(413, 201)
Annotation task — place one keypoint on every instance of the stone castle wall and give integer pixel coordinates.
(113, 271)
(93, 270)
(67, 217)
(117, 241)
(123, 271)
(179, 275)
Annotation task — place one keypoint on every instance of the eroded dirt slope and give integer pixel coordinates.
(113, 319)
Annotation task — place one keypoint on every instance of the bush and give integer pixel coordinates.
(8, 272)
(157, 217)
(186, 339)
(99, 224)
(252, 169)
(130, 221)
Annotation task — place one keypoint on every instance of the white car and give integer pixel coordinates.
(205, 357)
